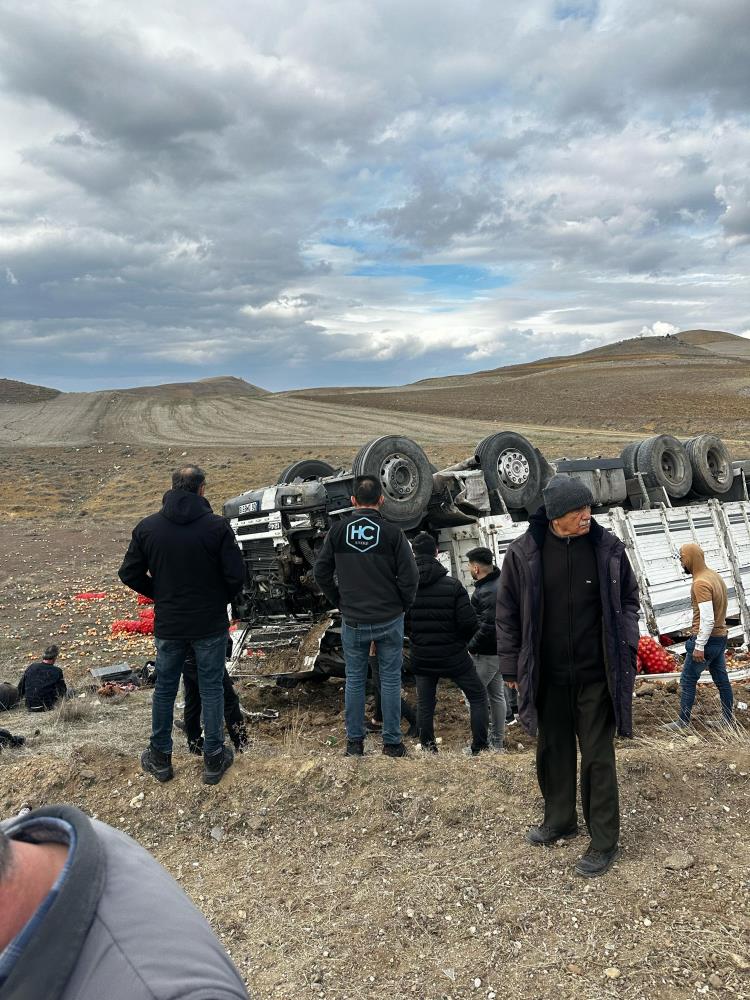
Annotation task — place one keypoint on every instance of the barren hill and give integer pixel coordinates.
(21, 392)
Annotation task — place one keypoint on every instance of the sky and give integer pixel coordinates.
(364, 192)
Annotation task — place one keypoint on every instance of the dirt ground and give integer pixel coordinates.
(341, 879)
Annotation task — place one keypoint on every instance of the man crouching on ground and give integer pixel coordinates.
(567, 636)
(187, 560)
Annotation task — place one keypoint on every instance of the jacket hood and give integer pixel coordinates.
(492, 575)
(693, 559)
(429, 569)
(183, 507)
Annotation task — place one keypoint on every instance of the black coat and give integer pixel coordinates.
(519, 615)
(484, 600)
(366, 568)
(187, 560)
(42, 685)
(440, 622)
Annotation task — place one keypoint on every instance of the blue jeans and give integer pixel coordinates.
(210, 656)
(715, 663)
(356, 639)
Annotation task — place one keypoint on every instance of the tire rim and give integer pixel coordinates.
(672, 467)
(513, 468)
(399, 477)
(717, 466)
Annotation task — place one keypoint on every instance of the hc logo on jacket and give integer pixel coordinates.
(362, 534)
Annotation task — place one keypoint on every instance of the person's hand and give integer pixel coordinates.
(373, 649)
(512, 685)
(699, 656)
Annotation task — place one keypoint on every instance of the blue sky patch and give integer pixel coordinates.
(454, 280)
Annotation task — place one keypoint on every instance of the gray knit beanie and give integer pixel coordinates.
(563, 494)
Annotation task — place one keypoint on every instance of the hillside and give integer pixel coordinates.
(21, 392)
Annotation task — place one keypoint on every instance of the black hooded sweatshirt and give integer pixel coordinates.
(440, 622)
(187, 560)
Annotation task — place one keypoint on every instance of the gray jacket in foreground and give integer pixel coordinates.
(121, 928)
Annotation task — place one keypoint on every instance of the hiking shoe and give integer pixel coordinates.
(157, 763)
(373, 726)
(215, 765)
(595, 863)
(355, 748)
(512, 721)
(544, 834)
(395, 750)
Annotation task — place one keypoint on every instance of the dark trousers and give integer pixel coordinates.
(232, 714)
(468, 681)
(584, 711)
(407, 712)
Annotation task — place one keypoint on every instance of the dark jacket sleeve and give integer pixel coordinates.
(22, 685)
(134, 569)
(485, 632)
(60, 686)
(324, 571)
(508, 625)
(407, 574)
(466, 619)
(232, 563)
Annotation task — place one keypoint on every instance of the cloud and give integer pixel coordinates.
(298, 196)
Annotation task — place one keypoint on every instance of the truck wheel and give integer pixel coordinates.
(404, 472)
(627, 455)
(306, 469)
(712, 464)
(663, 461)
(511, 465)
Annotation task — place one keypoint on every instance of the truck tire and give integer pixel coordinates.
(512, 466)
(664, 461)
(711, 461)
(628, 455)
(305, 469)
(404, 472)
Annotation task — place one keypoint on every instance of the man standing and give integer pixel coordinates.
(706, 648)
(483, 645)
(440, 624)
(87, 913)
(374, 584)
(187, 560)
(567, 636)
(43, 684)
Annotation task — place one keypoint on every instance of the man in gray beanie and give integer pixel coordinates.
(567, 636)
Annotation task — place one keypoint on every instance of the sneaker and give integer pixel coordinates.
(513, 721)
(354, 748)
(496, 749)
(595, 863)
(157, 763)
(546, 835)
(471, 752)
(215, 765)
(429, 747)
(676, 726)
(373, 726)
(395, 750)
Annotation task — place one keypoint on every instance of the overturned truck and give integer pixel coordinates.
(657, 494)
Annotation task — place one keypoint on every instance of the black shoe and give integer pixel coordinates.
(412, 732)
(354, 748)
(544, 834)
(157, 763)
(196, 746)
(595, 863)
(215, 765)
(395, 750)
(430, 747)
(373, 726)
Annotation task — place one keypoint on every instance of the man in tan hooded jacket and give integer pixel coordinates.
(707, 644)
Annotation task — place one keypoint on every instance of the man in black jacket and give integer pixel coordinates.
(440, 623)
(483, 644)
(187, 560)
(43, 684)
(367, 570)
(567, 635)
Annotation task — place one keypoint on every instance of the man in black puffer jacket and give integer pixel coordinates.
(483, 645)
(440, 623)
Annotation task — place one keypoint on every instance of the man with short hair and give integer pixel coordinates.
(706, 648)
(567, 637)
(87, 913)
(43, 684)
(187, 560)
(366, 569)
(483, 644)
(440, 624)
